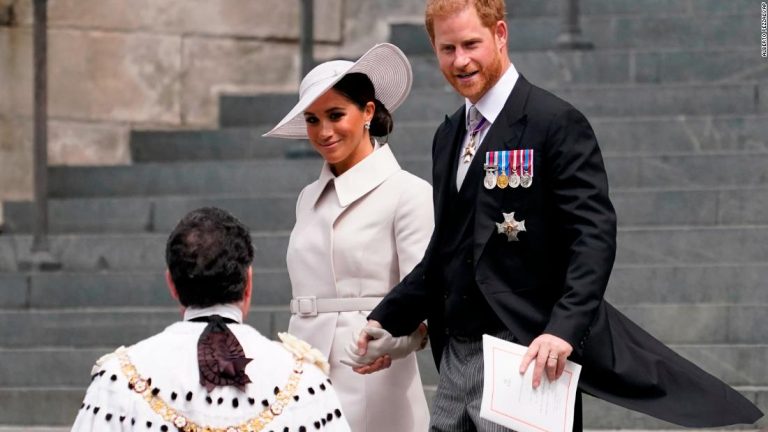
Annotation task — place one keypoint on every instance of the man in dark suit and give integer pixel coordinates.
(524, 244)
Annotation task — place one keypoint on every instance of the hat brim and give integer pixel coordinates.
(384, 64)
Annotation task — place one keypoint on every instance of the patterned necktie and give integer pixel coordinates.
(476, 123)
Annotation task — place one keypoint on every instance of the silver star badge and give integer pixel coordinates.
(510, 226)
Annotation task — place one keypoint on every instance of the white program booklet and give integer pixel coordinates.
(509, 398)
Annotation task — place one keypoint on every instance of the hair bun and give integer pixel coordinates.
(381, 123)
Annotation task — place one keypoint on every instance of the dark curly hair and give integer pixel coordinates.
(208, 255)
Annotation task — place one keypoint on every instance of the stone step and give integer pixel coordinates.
(629, 284)
(559, 68)
(149, 214)
(608, 100)
(118, 289)
(615, 100)
(154, 145)
(599, 414)
(721, 323)
(635, 207)
(664, 245)
(740, 365)
(634, 135)
(108, 327)
(524, 8)
(634, 31)
(257, 177)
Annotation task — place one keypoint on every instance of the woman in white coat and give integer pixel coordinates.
(360, 228)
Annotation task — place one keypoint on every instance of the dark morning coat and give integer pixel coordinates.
(552, 280)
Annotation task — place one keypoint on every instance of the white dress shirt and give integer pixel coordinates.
(489, 106)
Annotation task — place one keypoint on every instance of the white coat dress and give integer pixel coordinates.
(358, 235)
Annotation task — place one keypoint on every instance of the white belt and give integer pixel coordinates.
(308, 306)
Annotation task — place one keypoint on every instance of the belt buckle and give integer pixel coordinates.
(306, 306)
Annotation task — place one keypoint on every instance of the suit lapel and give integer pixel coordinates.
(448, 140)
(505, 134)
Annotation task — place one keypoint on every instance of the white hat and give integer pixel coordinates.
(384, 64)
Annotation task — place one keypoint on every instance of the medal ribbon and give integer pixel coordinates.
(513, 161)
(528, 154)
(504, 162)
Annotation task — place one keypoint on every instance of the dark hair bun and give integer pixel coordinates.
(381, 123)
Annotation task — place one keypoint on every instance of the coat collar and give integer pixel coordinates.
(230, 310)
(362, 178)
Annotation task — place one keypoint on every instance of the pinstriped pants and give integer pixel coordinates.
(456, 407)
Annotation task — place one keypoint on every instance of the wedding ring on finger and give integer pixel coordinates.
(553, 357)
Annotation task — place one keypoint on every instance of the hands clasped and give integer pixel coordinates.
(373, 348)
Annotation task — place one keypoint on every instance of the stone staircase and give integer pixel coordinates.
(676, 92)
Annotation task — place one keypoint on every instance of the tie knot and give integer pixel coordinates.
(474, 117)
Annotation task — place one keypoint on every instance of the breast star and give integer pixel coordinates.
(510, 226)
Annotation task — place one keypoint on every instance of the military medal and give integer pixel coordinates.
(514, 177)
(502, 181)
(490, 171)
(469, 151)
(510, 227)
(527, 178)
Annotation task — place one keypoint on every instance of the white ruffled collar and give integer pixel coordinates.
(231, 311)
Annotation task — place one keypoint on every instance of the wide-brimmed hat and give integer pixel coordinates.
(384, 64)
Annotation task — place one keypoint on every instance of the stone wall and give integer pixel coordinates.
(115, 65)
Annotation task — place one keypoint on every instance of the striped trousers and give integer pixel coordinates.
(456, 407)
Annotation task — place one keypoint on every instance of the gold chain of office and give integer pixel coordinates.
(142, 386)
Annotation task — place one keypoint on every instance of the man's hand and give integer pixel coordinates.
(550, 353)
(378, 364)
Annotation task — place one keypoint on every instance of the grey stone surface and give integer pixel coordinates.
(91, 215)
(747, 205)
(692, 245)
(650, 245)
(15, 158)
(136, 289)
(556, 68)
(130, 77)
(214, 18)
(137, 214)
(629, 284)
(432, 105)
(673, 31)
(633, 135)
(40, 407)
(218, 144)
(108, 327)
(634, 207)
(702, 323)
(719, 170)
(14, 291)
(689, 284)
(48, 367)
(249, 66)
(739, 169)
(264, 109)
(602, 415)
(522, 8)
(127, 252)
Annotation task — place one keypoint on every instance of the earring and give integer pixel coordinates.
(367, 125)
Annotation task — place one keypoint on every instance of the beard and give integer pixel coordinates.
(484, 79)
